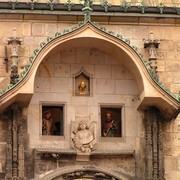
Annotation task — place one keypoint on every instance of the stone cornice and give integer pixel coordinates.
(73, 152)
(58, 8)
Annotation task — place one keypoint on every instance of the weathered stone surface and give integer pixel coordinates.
(59, 85)
(103, 71)
(4, 82)
(37, 29)
(176, 77)
(140, 32)
(166, 77)
(175, 88)
(7, 29)
(46, 70)
(67, 56)
(173, 65)
(96, 56)
(62, 70)
(50, 29)
(172, 32)
(159, 32)
(118, 72)
(122, 87)
(42, 84)
(2, 52)
(102, 83)
(167, 45)
(26, 29)
(126, 31)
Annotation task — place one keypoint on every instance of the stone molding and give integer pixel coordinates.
(40, 151)
(142, 9)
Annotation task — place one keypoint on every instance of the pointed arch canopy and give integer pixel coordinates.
(91, 35)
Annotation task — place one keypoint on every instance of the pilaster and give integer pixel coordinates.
(154, 165)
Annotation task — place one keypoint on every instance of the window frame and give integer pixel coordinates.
(52, 104)
(112, 106)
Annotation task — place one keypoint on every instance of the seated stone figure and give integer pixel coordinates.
(83, 137)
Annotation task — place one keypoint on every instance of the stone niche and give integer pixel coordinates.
(82, 83)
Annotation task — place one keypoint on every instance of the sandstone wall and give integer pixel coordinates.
(34, 31)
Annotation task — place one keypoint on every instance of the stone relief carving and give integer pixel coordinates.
(154, 165)
(83, 136)
(15, 146)
(90, 174)
(15, 43)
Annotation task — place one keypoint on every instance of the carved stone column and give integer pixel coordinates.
(154, 165)
(15, 146)
(21, 150)
(9, 152)
(15, 141)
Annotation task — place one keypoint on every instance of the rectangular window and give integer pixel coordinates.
(52, 120)
(111, 121)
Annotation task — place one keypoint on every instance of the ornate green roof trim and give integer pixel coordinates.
(75, 28)
(51, 5)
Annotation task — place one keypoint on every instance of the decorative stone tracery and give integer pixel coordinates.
(15, 146)
(154, 165)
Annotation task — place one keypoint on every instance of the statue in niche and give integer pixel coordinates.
(84, 136)
(82, 87)
(82, 83)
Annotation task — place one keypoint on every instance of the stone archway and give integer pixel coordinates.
(151, 93)
(84, 172)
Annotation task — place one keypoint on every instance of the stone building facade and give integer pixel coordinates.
(79, 61)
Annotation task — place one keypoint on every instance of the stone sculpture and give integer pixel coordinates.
(83, 136)
(82, 87)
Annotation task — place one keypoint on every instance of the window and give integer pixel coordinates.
(111, 121)
(52, 120)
